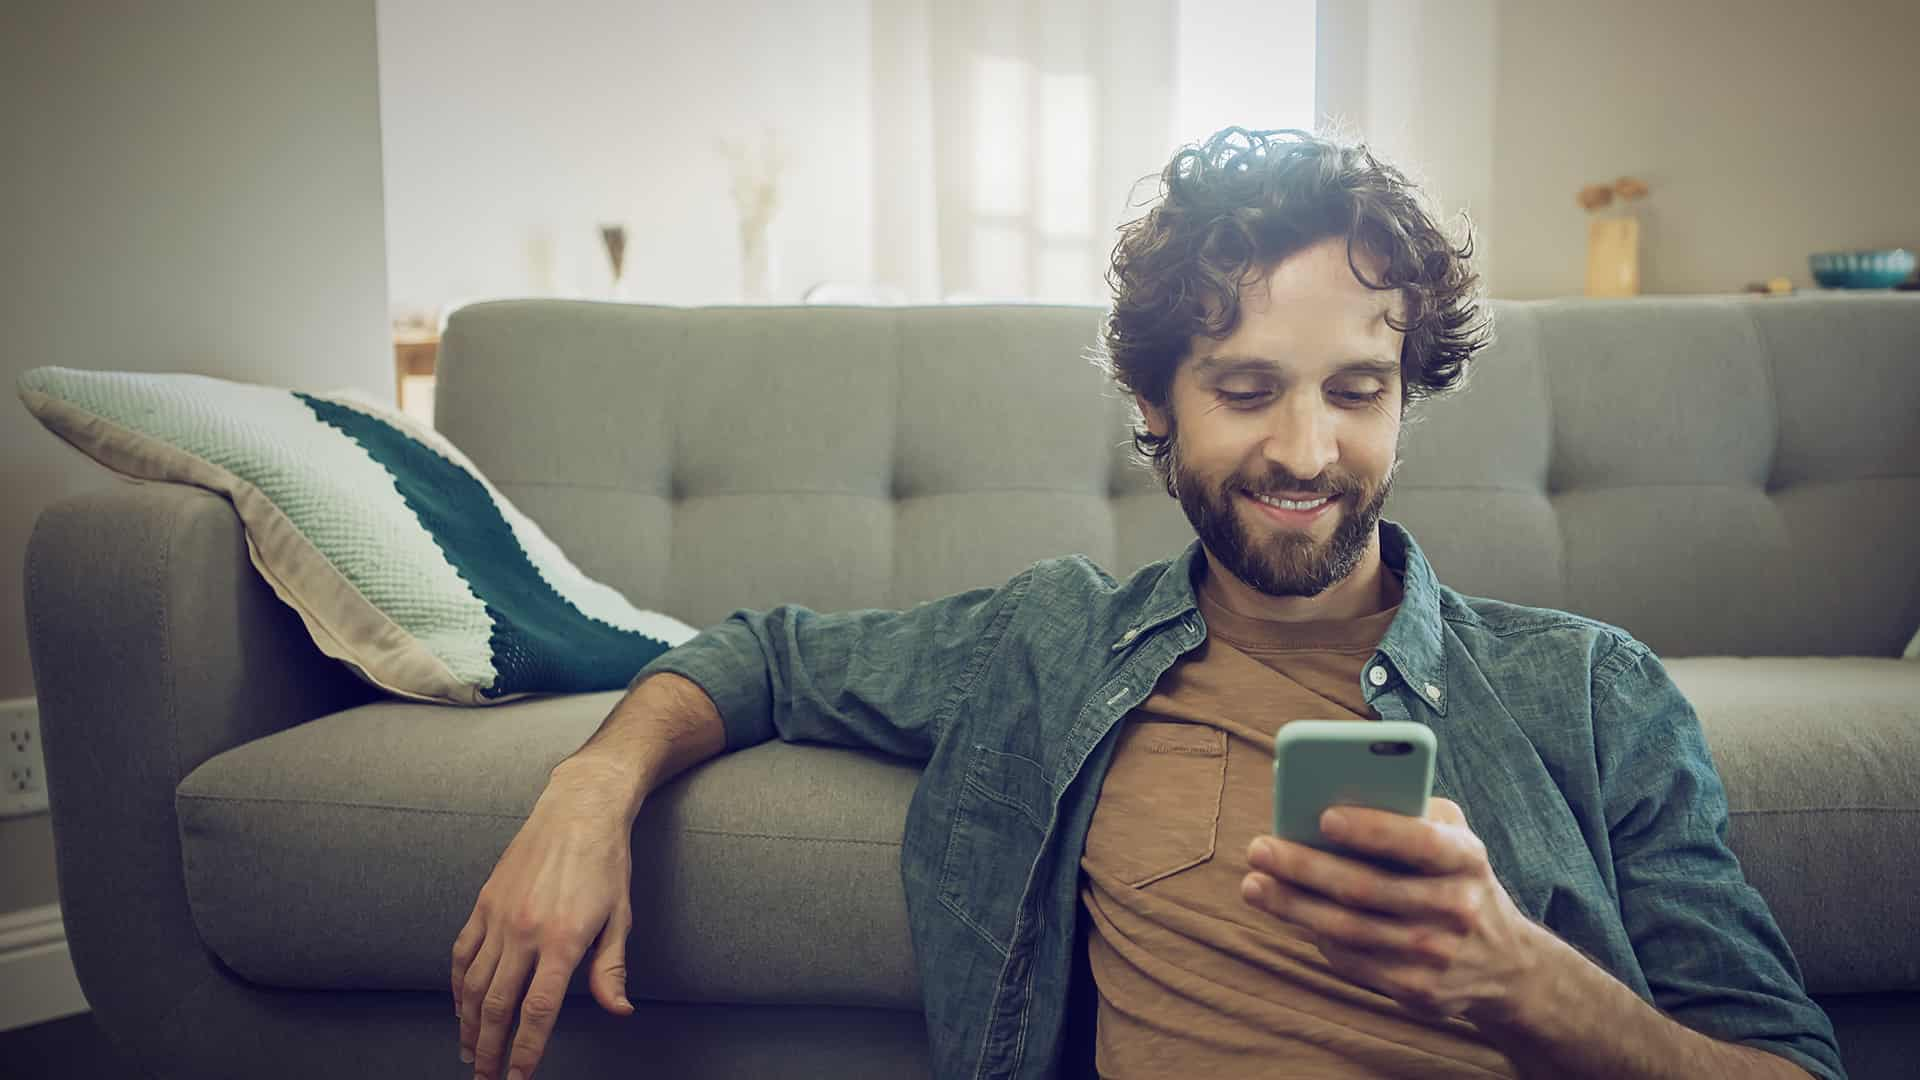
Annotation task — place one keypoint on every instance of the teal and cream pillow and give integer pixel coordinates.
(402, 560)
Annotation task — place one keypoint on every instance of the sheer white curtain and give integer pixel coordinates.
(1006, 137)
(1010, 139)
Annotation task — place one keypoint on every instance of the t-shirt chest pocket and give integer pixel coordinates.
(1159, 807)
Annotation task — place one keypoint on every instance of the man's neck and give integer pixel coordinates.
(1369, 590)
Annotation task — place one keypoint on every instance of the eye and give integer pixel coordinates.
(1354, 397)
(1244, 398)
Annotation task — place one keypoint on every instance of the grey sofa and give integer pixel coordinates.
(263, 868)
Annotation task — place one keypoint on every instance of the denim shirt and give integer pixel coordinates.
(1574, 757)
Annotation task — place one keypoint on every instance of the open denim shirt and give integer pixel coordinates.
(1574, 757)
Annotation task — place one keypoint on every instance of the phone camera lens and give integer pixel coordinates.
(1394, 748)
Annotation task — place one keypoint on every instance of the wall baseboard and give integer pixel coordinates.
(37, 981)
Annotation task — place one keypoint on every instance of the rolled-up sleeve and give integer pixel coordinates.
(1712, 954)
(876, 680)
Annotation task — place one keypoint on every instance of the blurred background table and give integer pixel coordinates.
(414, 354)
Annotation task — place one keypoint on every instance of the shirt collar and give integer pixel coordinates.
(1413, 643)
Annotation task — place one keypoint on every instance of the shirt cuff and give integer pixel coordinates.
(726, 662)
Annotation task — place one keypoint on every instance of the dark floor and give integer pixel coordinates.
(62, 1050)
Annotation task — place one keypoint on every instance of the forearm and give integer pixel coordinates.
(662, 727)
(1576, 1020)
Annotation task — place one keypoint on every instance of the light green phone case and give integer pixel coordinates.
(1386, 764)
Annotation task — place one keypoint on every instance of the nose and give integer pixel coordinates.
(1302, 437)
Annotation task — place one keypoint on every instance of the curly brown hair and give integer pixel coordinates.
(1234, 206)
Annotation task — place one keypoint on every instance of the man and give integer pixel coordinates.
(1087, 870)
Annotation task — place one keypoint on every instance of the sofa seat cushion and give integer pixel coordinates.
(1817, 755)
(347, 852)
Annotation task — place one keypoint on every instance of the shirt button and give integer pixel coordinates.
(1378, 676)
(1433, 692)
(1127, 638)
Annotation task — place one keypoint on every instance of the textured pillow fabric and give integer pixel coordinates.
(399, 556)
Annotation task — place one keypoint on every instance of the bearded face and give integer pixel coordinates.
(1284, 434)
(1260, 547)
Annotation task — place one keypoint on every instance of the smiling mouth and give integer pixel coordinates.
(1314, 503)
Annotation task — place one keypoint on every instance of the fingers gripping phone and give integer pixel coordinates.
(1387, 765)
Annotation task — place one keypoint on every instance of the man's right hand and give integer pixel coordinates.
(562, 885)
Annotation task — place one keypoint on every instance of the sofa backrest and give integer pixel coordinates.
(1716, 475)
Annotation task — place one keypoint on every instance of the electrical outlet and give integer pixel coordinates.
(24, 769)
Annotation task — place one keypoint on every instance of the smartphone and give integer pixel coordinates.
(1383, 764)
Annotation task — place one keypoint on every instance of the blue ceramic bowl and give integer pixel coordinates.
(1862, 269)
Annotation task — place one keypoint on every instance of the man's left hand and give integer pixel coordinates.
(1443, 939)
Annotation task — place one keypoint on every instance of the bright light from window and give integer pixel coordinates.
(1244, 62)
(1000, 113)
(1066, 155)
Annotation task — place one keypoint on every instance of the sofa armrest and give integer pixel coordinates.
(155, 646)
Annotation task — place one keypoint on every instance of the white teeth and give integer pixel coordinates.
(1289, 504)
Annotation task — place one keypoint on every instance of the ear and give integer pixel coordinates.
(1156, 418)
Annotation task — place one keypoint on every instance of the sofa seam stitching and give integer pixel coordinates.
(1768, 369)
(783, 836)
(341, 805)
(168, 697)
(197, 797)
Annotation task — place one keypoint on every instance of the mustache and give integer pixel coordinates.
(1274, 483)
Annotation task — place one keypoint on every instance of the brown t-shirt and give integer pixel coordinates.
(1192, 980)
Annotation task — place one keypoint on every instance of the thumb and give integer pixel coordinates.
(1445, 810)
(609, 976)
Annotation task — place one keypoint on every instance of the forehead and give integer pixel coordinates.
(1310, 309)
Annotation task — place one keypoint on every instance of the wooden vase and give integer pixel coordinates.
(1613, 256)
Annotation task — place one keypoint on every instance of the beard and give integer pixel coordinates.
(1288, 563)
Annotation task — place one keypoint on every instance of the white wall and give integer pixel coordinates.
(1768, 131)
(1275, 92)
(512, 132)
(188, 187)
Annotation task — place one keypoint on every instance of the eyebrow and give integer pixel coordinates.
(1231, 363)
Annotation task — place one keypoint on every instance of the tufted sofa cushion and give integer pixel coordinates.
(1718, 476)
